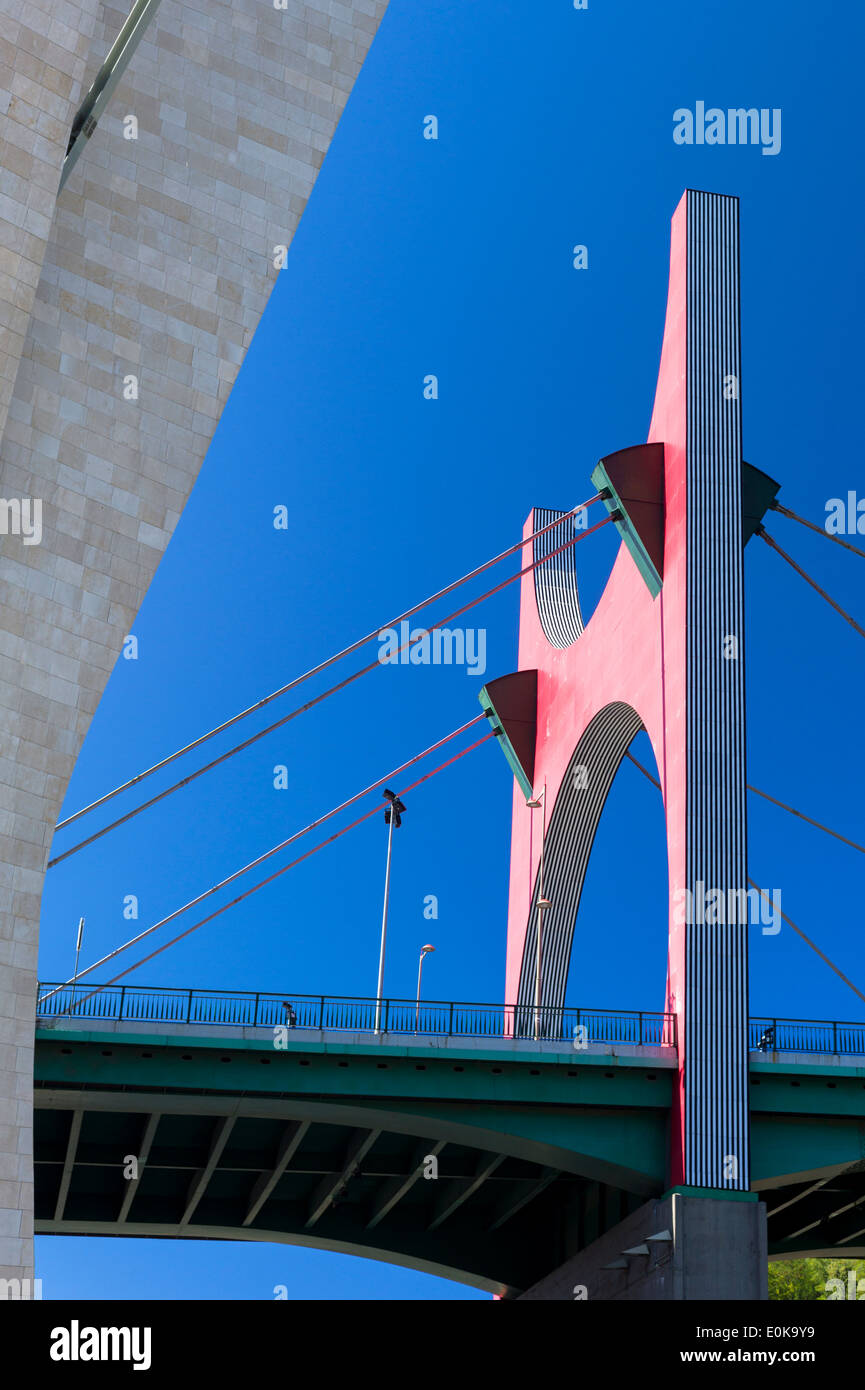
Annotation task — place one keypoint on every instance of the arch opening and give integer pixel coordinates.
(570, 838)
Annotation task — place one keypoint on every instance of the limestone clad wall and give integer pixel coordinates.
(126, 306)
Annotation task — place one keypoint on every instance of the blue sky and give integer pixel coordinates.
(454, 257)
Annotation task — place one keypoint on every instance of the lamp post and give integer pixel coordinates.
(393, 817)
(77, 954)
(425, 951)
(542, 905)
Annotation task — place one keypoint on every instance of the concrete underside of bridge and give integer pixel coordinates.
(550, 1165)
(687, 1245)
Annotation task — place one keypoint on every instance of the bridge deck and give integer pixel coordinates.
(485, 1159)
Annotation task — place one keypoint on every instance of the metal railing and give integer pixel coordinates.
(806, 1035)
(343, 1013)
(340, 1013)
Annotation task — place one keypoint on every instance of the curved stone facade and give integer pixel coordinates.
(126, 306)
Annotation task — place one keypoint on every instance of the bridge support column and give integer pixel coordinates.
(663, 651)
(692, 1243)
(109, 478)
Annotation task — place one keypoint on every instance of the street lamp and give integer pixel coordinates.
(77, 954)
(542, 905)
(393, 813)
(425, 950)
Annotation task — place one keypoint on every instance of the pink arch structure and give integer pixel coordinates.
(663, 652)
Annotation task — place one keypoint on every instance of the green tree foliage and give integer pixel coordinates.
(810, 1280)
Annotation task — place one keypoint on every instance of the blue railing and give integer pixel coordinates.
(343, 1013)
(323, 1012)
(806, 1035)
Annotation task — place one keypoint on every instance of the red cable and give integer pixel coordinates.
(253, 864)
(301, 709)
(323, 666)
(249, 891)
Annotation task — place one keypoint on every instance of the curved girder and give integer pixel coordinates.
(579, 804)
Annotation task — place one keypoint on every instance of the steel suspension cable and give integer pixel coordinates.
(801, 815)
(263, 883)
(814, 947)
(821, 531)
(318, 699)
(775, 802)
(788, 920)
(761, 531)
(323, 665)
(253, 864)
(645, 771)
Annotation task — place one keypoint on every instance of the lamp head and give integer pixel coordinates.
(395, 807)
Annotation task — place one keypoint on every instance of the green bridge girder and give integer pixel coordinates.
(326, 1143)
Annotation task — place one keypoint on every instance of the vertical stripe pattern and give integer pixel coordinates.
(556, 592)
(716, 1011)
(570, 836)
